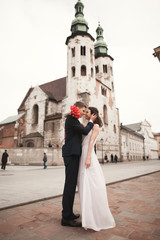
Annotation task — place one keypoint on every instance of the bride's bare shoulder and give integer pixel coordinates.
(96, 127)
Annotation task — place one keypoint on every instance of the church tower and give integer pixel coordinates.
(80, 60)
(90, 80)
(105, 95)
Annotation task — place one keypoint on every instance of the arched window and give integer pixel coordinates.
(83, 51)
(73, 71)
(73, 52)
(35, 114)
(105, 115)
(91, 55)
(97, 69)
(105, 68)
(91, 72)
(112, 86)
(30, 144)
(83, 70)
(103, 91)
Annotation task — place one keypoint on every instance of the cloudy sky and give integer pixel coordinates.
(33, 50)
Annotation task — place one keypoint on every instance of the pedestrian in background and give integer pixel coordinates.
(115, 158)
(45, 160)
(111, 158)
(106, 158)
(4, 159)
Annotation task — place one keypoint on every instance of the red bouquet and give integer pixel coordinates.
(75, 112)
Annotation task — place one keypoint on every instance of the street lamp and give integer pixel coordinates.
(157, 53)
(102, 150)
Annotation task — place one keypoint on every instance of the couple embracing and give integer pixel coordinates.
(83, 169)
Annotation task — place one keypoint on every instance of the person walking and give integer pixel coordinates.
(4, 160)
(45, 160)
(115, 158)
(106, 158)
(111, 158)
(71, 152)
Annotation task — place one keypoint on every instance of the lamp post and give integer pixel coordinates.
(102, 150)
(157, 53)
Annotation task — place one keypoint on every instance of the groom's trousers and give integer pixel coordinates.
(71, 174)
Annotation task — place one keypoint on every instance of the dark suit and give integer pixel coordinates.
(71, 152)
(4, 160)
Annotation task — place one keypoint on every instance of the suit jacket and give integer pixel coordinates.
(4, 157)
(73, 136)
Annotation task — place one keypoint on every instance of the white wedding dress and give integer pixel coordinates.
(95, 211)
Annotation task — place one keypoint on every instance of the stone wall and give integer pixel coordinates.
(33, 156)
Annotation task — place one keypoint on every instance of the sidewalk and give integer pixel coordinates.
(135, 205)
(25, 184)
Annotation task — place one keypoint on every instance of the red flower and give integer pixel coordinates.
(75, 112)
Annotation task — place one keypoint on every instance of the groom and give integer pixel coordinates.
(71, 152)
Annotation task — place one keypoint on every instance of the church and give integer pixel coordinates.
(41, 115)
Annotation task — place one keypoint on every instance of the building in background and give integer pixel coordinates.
(132, 144)
(89, 79)
(150, 143)
(12, 130)
(157, 137)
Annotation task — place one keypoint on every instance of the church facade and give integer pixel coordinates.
(89, 79)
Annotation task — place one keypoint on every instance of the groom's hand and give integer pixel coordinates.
(93, 117)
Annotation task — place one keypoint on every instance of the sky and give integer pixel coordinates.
(33, 50)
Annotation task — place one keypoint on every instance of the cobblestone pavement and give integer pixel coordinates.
(135, 205)
(24, 184)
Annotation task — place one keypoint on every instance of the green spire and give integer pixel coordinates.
(100, 45)
(79, 24)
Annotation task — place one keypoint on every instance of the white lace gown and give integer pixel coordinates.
(95, 211)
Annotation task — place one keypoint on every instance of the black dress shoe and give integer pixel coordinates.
(75, 216)
(70, 223)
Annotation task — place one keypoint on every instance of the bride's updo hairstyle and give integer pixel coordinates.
(98, 119)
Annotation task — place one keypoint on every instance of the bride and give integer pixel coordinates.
(95, 211)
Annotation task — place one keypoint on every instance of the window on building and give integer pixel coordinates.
(53, 127)
(30, 144)
(73, 52)
(83, 51)
(83, 70)
(112, 86)
(91, 72)
(103, 91)
(91, 55)
(105, 68)
(105, 115)
(35, 114)
(114, 128)
(73, 71)
(97, 69)
(111, 69)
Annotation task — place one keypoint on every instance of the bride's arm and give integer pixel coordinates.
(95, 133)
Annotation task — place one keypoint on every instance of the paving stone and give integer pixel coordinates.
(156, 221)
(24, 235)
(7, 228)
(138, 235)
(114, 237)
